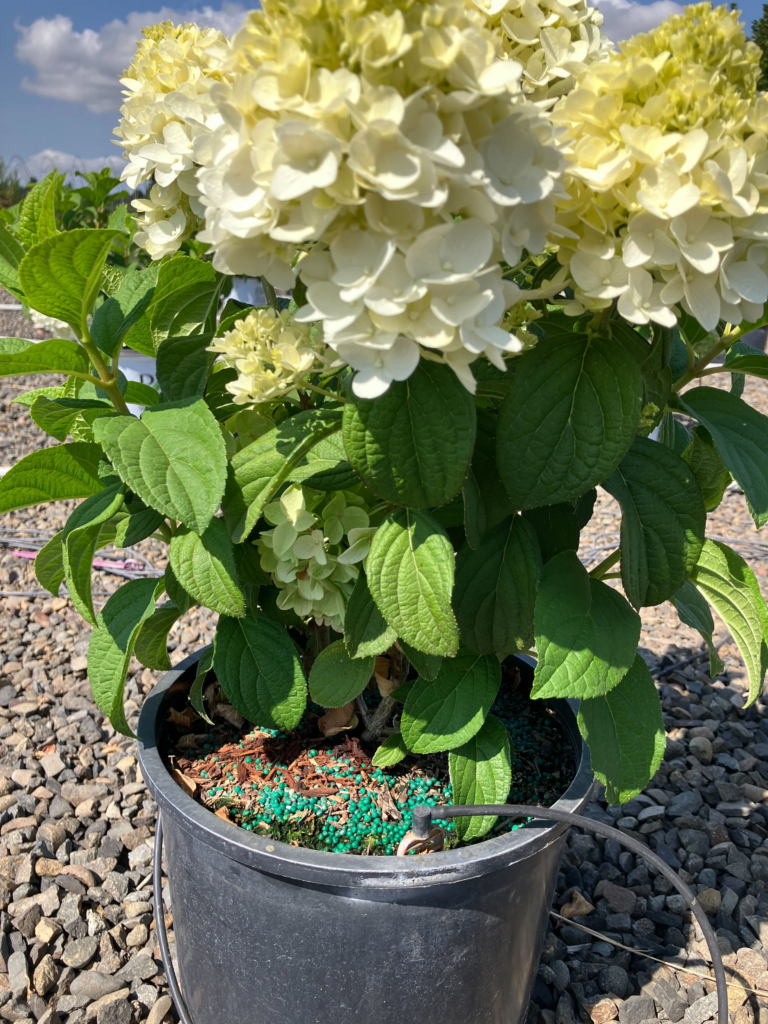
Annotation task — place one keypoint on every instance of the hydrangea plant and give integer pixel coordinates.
(506, 252)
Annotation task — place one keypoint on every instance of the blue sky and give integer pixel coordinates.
(60, 61)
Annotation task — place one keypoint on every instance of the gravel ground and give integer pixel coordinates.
(77, 939)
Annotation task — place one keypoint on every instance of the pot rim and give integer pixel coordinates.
(343, 870)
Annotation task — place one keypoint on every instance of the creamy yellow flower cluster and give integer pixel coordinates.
(167, 107)
(668, 178)
(270, 354)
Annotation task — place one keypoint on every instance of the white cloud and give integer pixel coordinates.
(42, 163)
(84, 67)
(625, 18)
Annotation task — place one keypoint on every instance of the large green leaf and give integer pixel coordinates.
(175, 591)
(196, 697)
(258, 471)
(443, 713)
(205, 567)
(112, 642)
(730, 586)
(427, 665)
(486, 502)
(174, 458)
(673, 434)
(662, 524)
(740, 434)
(707, 466)
(54, 356)
(182, 366)
(335, 679)
(12, 252)
(586, 632)
(496, 589)
(152, 642)
(413, 445)
(37, 220)
(556, 528)
(52, 474)
(81, 539)
(326, 467)
(481, 773)
(568, 420)
(365, 631)
(259, 670)
(61, 275)
(750, 361)
(49, 564)
(58, 416)
(185, 299)
(118, 315)
(410, 575)
(693, 610)
(139, 523)
(624, 730)
(392, 751)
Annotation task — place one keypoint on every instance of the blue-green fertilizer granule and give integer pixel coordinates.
(325, 794)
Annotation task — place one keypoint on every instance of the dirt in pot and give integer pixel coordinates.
(323, 793)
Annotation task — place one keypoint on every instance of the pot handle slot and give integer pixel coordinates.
(422, 826)
(162, 935)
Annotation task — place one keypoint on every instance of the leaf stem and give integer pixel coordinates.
(695, 371)
(607, 563)
(323, 391)
(108, 380)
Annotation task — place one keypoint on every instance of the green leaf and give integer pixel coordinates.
(740, 434)
(481, 773)
(38, 212)
(662, 524)
(183, 365)
(175, 591)
(259, 670)
(152, 642)
(248, 562)
(185, 299)
(392, 751)
(335, 679)
(49, 564)
(137, 393)
(120, 313)
(217, 398)
(28, 398)
(52, 474)
(258, 471)
(61, 275)
(750, 361)
(410, 575)
(673, 434)
(445, 712)
(196, 693)
(496, 589)
(556, 528)
(268, 603)
(112, 642)
(486, 502)
(205, 567)
(137, 525)
(693, 610)
(707, 466)
(54, 356)
(326, 468)
(413, 445)
(365, 631)
(730, 586)
(12, 251)
(569, 419)
(427, 665)
(57, 416)
(624, 730)
(174, 458)
(586, 632)
(81, 539)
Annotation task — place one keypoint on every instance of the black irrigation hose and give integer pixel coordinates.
(424, 816)
(162, 935)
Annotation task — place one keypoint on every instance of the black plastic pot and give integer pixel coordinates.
(275, 934)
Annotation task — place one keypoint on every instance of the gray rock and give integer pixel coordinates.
(161, 1008)
(140, 968)
(18, 978)
(94, 985)
(614, 980)
(684, 803)
(637, 1009)
(703, 1009)
(619, 899)
(562, 976)
(117, 1012)
(80, 952)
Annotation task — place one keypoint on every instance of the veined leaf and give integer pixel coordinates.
(56, 416)
(152, 642)
(37, 220)
(752, 362)
(673, 434)
(112, 643)
(427, 665)
(740, 434)
(445, 712)
(693, 610)
(258, 471)
(205, 567)
(496, 589)
(365, 631)
(486, 502)
(12, 251)
(413, 445)
(259, 670)
(586, 632)
(118, 315)
(568, 420)
(707, 466)
(183, 365)
(481, 773)
(624, 730)
(392, 751)
(730, 586)
(410, 575)
(49, 565)
(52, 474)
(140, 523)
(185, 299)
(556, 528)
(80, 541)
(335, 679)
(174, 458)
(18, 357)
(176, 592)
(196, 693)
(662, 524)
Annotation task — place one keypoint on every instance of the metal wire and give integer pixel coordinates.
(424, 816)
